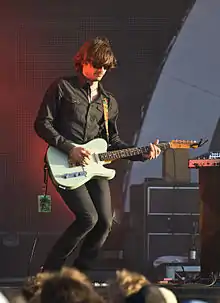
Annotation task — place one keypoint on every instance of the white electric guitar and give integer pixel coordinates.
(72, 177)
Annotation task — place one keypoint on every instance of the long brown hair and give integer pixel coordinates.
(97, 51)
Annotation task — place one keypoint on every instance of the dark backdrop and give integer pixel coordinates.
(38, 41)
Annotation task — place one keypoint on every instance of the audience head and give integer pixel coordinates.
(147, 294)
(75, 274)
(33, 285)
(64, 289)
(125, 284)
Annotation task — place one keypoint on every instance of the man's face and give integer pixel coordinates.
(92, 73)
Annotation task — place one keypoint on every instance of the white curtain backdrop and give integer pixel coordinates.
(186, 100)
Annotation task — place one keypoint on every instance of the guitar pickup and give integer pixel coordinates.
(73, 175)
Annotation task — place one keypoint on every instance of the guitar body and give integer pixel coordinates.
(72, 177)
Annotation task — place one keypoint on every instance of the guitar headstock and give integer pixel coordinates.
(184, 144)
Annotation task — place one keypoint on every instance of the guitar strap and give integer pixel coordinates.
(105, 109)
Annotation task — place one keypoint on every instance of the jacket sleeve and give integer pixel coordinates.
(44, 124)
(114, 138)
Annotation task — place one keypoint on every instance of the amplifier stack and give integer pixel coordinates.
(163, 217)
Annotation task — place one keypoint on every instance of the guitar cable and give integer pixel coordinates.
(45, 179)
(36, 238)
(32, 253)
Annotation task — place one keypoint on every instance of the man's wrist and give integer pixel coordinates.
(67, 146)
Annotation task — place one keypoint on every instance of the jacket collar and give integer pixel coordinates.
(83, 82)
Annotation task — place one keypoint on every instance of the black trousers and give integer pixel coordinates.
(91, 204)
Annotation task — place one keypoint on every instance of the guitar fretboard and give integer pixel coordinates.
(129, 152)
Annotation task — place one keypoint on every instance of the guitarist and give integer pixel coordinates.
(72, 111)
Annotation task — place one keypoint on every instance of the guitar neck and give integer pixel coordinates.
(129, 152)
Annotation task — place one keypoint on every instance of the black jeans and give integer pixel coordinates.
(91, 204)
